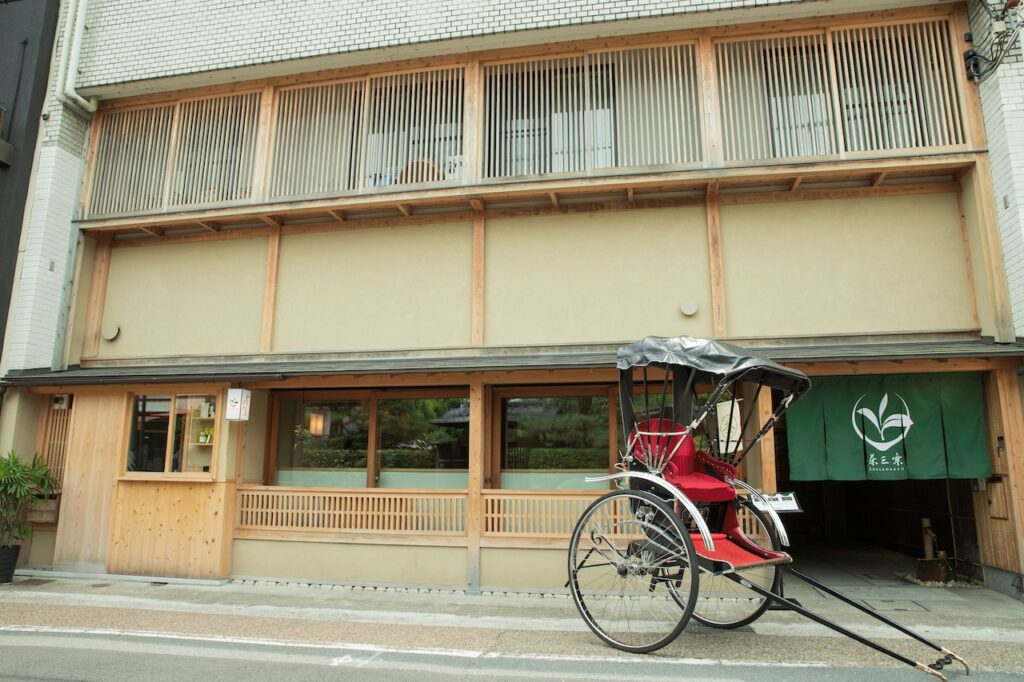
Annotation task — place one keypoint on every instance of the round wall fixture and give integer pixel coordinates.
(110, 331)
(689, 308)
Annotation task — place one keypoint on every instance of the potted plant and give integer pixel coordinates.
(21, 483)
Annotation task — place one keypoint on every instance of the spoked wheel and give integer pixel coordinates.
(629, 571)
(726, 604)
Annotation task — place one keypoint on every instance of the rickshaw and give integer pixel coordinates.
(683, 536)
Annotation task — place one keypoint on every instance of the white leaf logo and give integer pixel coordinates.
(881, 423)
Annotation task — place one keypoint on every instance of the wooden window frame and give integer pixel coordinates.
(492, 463)
(372, 396)
(166, 475)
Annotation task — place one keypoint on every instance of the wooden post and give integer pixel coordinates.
(473, 124)
(264, 137)
(474, 500)
(479, 256)
(97, 296)
(713, 152)
(766, 448)
(270, 289)
(1012, 412)
(716, 266)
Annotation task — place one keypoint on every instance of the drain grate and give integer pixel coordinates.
(894, 605)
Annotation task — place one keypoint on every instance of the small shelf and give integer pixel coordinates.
(199, 444)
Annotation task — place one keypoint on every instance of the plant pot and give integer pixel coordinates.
(8, 562)
(44, 510)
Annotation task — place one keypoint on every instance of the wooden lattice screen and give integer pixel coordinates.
(53, 448)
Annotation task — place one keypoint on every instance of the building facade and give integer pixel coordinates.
(416, 235)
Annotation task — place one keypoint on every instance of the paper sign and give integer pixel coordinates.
(238, 405)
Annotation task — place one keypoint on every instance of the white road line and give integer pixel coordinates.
(377, 651)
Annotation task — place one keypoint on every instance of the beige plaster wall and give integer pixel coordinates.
(19, 421)
(893, 264)
(40, 550)
(185, 299)
(255, 437)
(523, 568)
(606, 276)
(337, 562)
(382, 288)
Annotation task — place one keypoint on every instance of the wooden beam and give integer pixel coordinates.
(477, 204)
(152, 231)
(1012, 412)
(796, 183)
(271, 221)
(630, 195)
(474, 498)
(338, 215)
(734, 198)
(404, 208)
(696, 179)
(97, 297)
(715, 262)
(878, 179)
(270, 290)
(479, 258)
(209, 225)
(965, 237)
(264, 143)
(554, 199)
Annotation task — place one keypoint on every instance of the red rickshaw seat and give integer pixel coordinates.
(664, 437)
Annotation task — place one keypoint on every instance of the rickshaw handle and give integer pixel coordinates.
(768, 508)
(691, 508)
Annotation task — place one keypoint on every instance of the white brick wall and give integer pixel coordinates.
(133, 40)
(1003, 105)
(43, 261)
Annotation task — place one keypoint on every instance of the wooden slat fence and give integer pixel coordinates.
(380, 511)
(822, 93)
(55, 441)
(534, 514)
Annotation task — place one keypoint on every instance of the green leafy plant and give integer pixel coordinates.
(21, 483)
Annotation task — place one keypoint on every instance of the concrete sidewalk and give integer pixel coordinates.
(985, 627)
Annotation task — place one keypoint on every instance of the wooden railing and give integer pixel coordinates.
(822, 93)
(534, 514)
(379, 511)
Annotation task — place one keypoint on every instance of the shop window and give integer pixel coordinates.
(423, 443)
(172, 434)
(554, 442)
(323, 443)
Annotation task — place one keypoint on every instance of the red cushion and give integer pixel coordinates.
(702, 487)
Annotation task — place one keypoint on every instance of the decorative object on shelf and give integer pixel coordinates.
(21, 483)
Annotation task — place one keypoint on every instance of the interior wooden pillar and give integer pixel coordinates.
(270, 289)
(766, 447)
(97, 296)
(474, 498)
(1012, 413)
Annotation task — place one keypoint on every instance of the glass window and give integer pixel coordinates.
(554, 442)
(172, 434)
(423, 443)
(323, 443)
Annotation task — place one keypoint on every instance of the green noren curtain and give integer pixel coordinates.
(889, 427)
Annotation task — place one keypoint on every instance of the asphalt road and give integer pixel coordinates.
(44, 654)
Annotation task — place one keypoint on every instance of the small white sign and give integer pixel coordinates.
(238, 405)
(780, 502)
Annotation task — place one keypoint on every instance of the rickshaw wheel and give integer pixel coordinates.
(726, 604)
(628, 576)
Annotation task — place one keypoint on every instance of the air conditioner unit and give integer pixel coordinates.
(61, 401)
